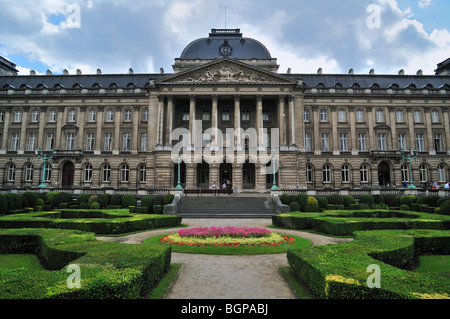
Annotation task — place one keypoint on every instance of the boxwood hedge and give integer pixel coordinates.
(108, 270)
(341, 271)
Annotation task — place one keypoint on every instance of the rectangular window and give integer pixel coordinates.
(128, 116)
(185, 116)
(382, 142)
(70, 141)
(308, 142)
(88, 173)
(49, 143)
(359, 116)
(309, 174)
(143, 173)
(110, 116)
(72, 116)
(145, 115)
(32, 141)
(17, 116)
(52, 116)
(265, 116)
(206, 116)
(108, 142)
(380, 116)
(29, 173)
(144, 142)
(245, 115)
(417, 117)
(342, 116)
(419, 142)
(306, 115)
(399, 116)
(435, 116)
(126, 142)
(325, 141)
(15, 141)
(343, 143)
(225, 115)
(323, 115)
(35, 116)
(402, 141)
(362, 142)
(438, 142)
(92, 116)
(90, 142)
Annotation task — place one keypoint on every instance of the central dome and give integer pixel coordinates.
(225, 43)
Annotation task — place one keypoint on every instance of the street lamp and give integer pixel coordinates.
(274, 187)
(45, 160)
(406, 157)
(179, 187)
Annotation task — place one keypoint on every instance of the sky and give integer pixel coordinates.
(146, 35)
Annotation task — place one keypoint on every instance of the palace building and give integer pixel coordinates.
(337, 131)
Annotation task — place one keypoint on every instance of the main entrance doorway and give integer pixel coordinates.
(203, 175)
(68, 174)
(248, 176)
(384, 174)
(226, 173)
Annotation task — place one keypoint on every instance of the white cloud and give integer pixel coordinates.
(425, 3)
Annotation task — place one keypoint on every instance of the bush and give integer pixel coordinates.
(295, 207)
(441, 200)
(3, 204)
(24, 201)
(128, 200)
(31, 197)
(284, 199)
(323, 202)
(428, 200)
(48, 197)
(367, 200)
(82, 198)
(336, 199)
(94, 205)
(147, 201)
(61, 197)
(157, 209)
(168, 199)
(349, 200)
(444, 209)
(93, 199)
(404, 207)
(104, 200)
(159, 200)
(407, 200)
(391, 200)
(379, 199)
(17, 201)
(116, 199)
(312, 202)
(302, 201)
(140, 210)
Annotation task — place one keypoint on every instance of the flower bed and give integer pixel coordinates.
(226, 237)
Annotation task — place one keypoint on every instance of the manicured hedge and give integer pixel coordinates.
(340, 271)
(345, 222)
(106, 223)
(131, 274)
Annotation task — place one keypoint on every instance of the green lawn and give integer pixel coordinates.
(17, 261)
(439, 265)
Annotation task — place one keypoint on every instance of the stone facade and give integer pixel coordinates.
(341, 131)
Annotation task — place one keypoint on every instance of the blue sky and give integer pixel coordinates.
(304, 35)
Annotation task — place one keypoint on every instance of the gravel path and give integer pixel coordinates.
(228, 277)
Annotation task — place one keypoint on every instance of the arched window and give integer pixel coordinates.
(441, 174)
(364, 173)
(326, 174)
(125, 173)
(423, 173)
(106, 173)
(29, 173)
(405, 173)
(48, 173)
(88, 173)
(11, 173)
(143, 173)
(345, 174)
(309, 173)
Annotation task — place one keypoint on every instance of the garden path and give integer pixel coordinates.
(228, 277)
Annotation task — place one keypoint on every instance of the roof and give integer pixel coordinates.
(225, 43)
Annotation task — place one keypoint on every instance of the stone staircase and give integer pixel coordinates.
(226, 207)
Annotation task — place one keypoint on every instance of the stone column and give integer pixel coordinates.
(23, 130)
(160, 124)
(237, 121)
(430, 141)
(192, 105)
(282, 119)
(135, 138)
(214, 174)
(411, 140)
(42, 122)
(259, 121)
(334, 124)
(81, 119)
(169, 121)
(98, 137)
(353, 141)
(316, 118)
(371, 135)
(59, 137)
(392, 142)
(446, 127)
(6, 123)
(298, 123)
(191, 175)
(117, 123)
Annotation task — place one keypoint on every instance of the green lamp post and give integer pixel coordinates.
(179, 187)
(45, 160)
(408, 157)
(274, 187)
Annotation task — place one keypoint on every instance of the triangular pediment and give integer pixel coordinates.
(226, 71)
